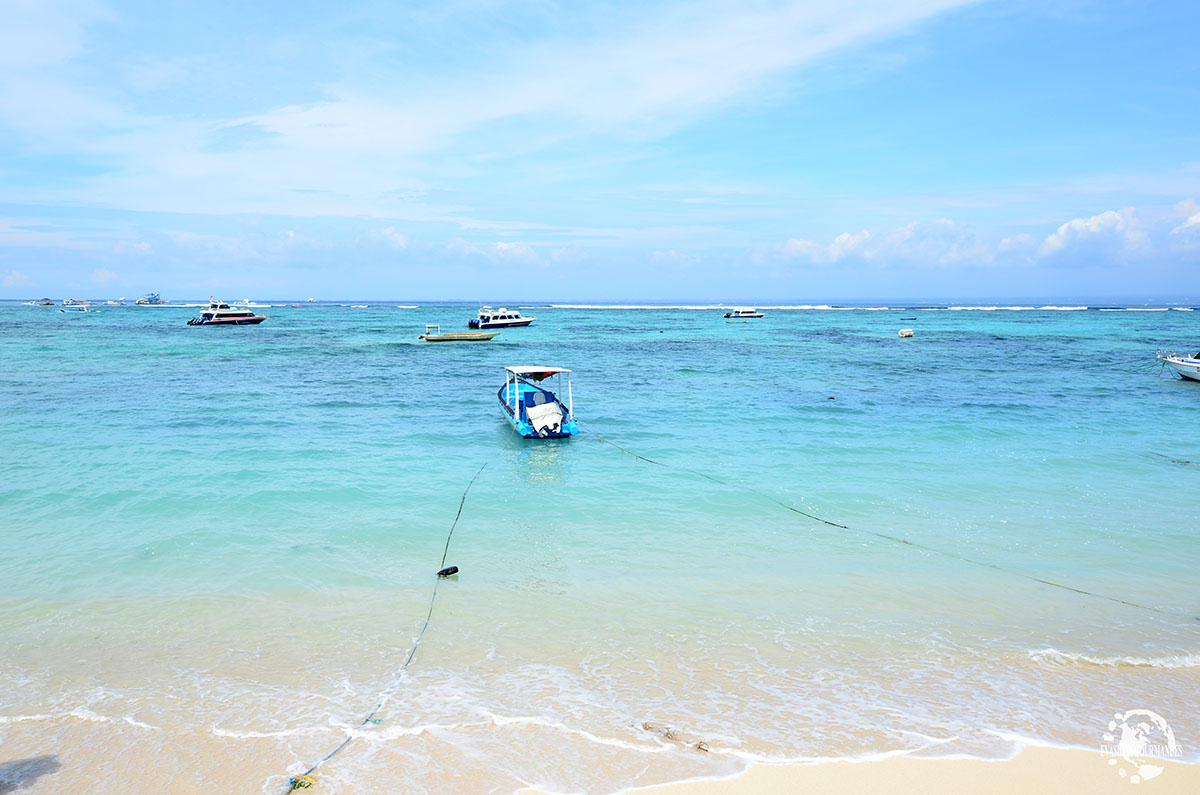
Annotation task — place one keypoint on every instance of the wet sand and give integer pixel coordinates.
(1034, 770)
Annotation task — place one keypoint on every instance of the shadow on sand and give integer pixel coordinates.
(24, 772)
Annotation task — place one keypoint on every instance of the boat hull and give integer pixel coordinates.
(568, 429)
(1187, 368)
(239, 321)
(461, 336)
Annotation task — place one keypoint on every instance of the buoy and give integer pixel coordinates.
(446, 572)
(906, 332)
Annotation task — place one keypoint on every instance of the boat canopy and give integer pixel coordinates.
(535, 372)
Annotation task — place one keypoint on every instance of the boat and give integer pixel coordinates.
(536, 412)
(77, 308)
(499, 318)
(434, 334)
(45, 302)
(76, 302)
(118, 302)
(150, 299)
(744, 312)
(220, 313)
(1187, 366)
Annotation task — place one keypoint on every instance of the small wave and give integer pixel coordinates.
(1056, 657)
(501, 720)
(80, 713)
(253, 735)
(4, 719)
(1062, 308)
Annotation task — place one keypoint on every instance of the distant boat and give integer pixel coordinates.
(536, 412)
(744, 312)
(72, 308)
(434, 334)
(220, 313)
(118, 302)
(45, 302)
(150, 299)
(1187, 366)
(76, 302)
(499, 318)
(311, 300)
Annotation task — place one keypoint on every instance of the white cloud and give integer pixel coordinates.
(926, 243)
(641, 76)
(102, 276)
(673, 257)
(394, 237)
(16, 278)
(1110, 231)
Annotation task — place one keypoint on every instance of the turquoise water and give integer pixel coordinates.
(218, 543)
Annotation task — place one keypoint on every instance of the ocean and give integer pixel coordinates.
(218, 546)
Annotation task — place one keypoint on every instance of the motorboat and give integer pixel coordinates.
(45, 302)
(434, 334)
(118, 302)
(220, 313)
(1187, 366)
(76, 302)
(534, 411)
(499, 318)
(77, 308)
(744, 312)
(150, 299)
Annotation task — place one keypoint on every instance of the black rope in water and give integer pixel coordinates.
(886, 536)
(305, 779)
(1172, 460)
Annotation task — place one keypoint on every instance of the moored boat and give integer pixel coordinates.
(220, 313)
(150, 299)
(434, 334)
(534, 411)
(744, 312)
(1187, 366)
(499, 318)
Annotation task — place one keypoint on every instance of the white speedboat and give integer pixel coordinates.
(1187, 366)
(76, 302)
(744, 312)
(150, 299)
(499, 318)
(220, 313)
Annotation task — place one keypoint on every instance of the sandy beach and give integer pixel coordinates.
(1057, 770)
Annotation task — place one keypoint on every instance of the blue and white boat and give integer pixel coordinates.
(1187, 366)
(499, 318)
(150, 299)
(536, 412)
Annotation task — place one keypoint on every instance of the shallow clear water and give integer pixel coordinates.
(218, 544)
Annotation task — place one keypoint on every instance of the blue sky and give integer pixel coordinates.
(481, 149)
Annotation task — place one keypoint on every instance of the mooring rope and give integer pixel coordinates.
(305, 779)
(885, 536)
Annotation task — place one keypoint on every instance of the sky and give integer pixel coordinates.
(541, 150)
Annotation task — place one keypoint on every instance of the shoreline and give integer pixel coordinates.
(1033, 769)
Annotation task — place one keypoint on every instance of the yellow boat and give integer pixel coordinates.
(434, 334)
